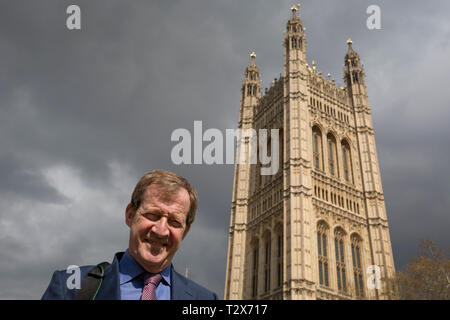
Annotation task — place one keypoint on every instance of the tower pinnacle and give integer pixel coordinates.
(296, 7)
(252, 57)
(351, 54)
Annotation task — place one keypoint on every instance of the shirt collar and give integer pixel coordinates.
(129, 269)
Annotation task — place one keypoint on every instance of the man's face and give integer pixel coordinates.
(157, 228)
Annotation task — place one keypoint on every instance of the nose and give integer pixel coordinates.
(160, 228)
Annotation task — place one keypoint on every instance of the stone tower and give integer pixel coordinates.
(317, 228)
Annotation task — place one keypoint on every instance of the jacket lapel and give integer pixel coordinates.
(110, 287)
(180, 288)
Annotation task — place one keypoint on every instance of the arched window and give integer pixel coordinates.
(267, 258)
(340, 260)
(281, 150)
(279, 257)
(255, 262)
(322, 254)
(347, 159)
(332, 155)
(357, 266)
(317, 149)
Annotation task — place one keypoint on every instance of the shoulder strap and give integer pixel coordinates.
(92, 283)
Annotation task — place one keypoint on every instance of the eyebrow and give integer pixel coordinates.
(158, 210)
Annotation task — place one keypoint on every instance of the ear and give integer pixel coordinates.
(129, 214)
(186, 232)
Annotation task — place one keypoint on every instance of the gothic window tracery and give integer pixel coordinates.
(255, 262)
(332, 155)
(317, 149)
(340, 260)
(357, 266)
(267, 260)
(322, 254)
(280, 257)
(347, 161)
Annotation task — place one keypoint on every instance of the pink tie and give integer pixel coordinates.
(151, 281)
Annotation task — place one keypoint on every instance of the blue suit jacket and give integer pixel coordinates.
(181, 288)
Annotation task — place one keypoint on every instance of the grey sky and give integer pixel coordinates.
(84, 114)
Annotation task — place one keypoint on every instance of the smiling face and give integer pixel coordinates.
(157, 227)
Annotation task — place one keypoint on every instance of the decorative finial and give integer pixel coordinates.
(314, 65)
(253, 55)
(186, 273)
(294, 9)
(298, 6)
(349, 41)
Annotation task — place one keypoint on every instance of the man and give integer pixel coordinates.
(159, 216)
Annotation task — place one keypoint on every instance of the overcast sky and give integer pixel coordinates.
(85, 113)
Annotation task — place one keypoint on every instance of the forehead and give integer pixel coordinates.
(156, 197)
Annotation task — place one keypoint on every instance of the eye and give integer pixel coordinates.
(151, 216)
(175, 223)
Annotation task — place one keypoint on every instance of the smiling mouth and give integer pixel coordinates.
(157, 244)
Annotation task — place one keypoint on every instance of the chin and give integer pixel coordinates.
(154, 259)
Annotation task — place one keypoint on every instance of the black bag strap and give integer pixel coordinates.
(92, 283)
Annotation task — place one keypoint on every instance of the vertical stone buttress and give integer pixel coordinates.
(250, 96)
(375, 210)
(298, 212)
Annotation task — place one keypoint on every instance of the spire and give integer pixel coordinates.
(253, 57)
(294, 38)
(353, 71)
(294, 9)
(295, 24)
(351, 54)
(251, 86)
(252, 71)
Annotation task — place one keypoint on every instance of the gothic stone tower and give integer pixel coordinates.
(317, 229)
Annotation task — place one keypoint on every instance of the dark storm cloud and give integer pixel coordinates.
(84, 114)
(19, 179)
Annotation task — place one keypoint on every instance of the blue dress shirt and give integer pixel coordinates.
(131, 284)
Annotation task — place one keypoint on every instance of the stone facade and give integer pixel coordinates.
(312, 230)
